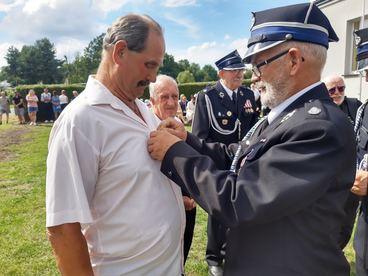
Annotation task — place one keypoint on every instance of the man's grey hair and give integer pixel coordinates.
(159, 79)
(134, 29)
(316, 54)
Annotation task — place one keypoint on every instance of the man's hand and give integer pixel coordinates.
(360, 184)
(174, 127)
(189, 203)
(160, 142)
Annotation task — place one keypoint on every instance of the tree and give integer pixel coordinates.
(185, 77)
(33, 64)
(184, 64)
(12, 71)
(170, 67)
(210, 73)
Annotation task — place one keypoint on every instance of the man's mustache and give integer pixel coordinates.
(143, 83)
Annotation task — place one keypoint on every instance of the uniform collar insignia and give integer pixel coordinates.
(221, 94)
(241, 93)
(287, 116)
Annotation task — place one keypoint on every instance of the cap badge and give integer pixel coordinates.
(314, 110)
(358, 39)
(287, 116)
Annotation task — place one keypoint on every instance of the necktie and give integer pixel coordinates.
(263, 126)
(234, 97)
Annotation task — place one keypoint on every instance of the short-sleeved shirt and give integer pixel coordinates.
(16, 100)
(100, 174)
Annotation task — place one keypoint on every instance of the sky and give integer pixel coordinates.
(201, 31)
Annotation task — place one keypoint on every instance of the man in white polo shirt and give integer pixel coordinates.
(109, 209)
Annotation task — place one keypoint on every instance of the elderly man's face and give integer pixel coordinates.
(336, 89)
(273, 81)
(232, 78)
(140, 68)
(165, 104)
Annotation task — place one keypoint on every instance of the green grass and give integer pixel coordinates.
(24, 248)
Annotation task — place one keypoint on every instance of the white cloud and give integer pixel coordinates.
(69, 47)
(107, 6)
(227, 37)
(191, 28)
(178, 3)
(50, 18)
(209, 52)
(5, 6)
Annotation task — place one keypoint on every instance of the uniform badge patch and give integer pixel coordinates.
(314, 110)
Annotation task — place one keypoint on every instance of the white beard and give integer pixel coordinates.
(275, 92)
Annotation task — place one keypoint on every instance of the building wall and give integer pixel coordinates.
(342, 14)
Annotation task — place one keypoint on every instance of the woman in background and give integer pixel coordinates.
(32, 104)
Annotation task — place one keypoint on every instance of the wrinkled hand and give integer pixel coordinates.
(174, 127)
(189, 203)
(159, 143)
(360, 184)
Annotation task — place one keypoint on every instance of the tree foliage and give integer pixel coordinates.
(185, 77)
(38, 64)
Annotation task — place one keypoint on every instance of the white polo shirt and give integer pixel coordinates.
(100, 174)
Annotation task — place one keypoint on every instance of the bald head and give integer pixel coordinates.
(336, 88)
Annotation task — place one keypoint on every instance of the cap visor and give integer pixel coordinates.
(258, 48)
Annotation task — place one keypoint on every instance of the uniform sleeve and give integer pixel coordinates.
(287, 177)
(72, 168)
(201, 123)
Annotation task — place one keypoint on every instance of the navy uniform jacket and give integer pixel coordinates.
(225, 113)
(287, 200)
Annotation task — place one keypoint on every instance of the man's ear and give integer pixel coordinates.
(296, 60)
(119, 50)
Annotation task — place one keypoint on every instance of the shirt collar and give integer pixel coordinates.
(228, 91)
(276, 111)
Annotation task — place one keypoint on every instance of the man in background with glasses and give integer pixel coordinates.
(224, 113)
(284, 202)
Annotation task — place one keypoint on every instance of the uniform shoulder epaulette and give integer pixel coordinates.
(208, 88)
(314, 109)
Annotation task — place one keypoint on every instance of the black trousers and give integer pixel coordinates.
(346, 230)
(189, 230)
(216, 242)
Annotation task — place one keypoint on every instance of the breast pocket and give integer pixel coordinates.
(224, 119)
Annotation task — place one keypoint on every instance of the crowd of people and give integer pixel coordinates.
(281, 191)
(48, 107)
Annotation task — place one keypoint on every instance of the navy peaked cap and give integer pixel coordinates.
(301, 22)
(231, 61)
(361, 41)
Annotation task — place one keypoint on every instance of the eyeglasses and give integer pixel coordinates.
(332, 90)
(256, 67)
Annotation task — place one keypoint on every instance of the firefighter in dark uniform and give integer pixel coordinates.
(361, 179)
(224, 113)
(284, 201)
